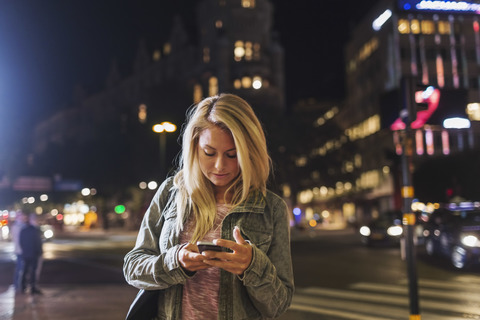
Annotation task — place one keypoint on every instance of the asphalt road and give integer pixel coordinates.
(336, 277)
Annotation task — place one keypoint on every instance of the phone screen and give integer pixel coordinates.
(207, 246)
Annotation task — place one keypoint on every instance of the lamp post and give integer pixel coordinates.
(161, 129)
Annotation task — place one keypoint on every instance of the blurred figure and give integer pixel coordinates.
(31, 246)
(21, 220)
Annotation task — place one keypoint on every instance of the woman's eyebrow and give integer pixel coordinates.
(209, 146)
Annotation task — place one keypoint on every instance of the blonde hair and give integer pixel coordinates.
(193, 191)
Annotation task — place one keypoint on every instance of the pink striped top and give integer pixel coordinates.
(200, 293)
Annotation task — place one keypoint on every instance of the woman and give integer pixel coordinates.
(218, 194)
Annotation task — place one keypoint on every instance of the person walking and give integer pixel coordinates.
(20, 222)
(31, 247)
(218, 194)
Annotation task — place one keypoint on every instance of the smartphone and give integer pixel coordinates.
(207, 246)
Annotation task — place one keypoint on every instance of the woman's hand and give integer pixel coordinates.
(237, 261)
(190, 259)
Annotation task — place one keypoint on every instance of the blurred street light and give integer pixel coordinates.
(161, 129)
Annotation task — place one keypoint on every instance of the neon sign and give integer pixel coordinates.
(440, 5)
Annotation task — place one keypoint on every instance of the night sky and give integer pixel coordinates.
(49, 46)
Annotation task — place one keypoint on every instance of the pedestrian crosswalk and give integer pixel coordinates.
(455, 299)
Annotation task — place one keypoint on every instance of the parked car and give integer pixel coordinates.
(453, 231)
(386, 229)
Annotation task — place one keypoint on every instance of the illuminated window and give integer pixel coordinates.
(218, 24)
(167, 48)
(212, 86)
(197, 93)
(206, 54)
(415, 26)
(403, 26)
(429, 141)
(443, 27)
(257, 82)
(256, 51)
(428, 27)
(237, 84)
(142, 113)
(239, 51)
(445, 142)
(473, 111)
(248, 51)
(248, 3)
(246, 82)
(440, 71)
(157, 55)
(419, 142)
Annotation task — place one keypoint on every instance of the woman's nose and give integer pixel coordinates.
(219, 163)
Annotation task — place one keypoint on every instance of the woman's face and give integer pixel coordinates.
(218, 158)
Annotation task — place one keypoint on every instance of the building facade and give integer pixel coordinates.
(398, 44)
(106, 138)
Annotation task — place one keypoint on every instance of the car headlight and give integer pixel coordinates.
(48, 234)
(470, 240)
(365, 231)
(394, 231)
(5, 232)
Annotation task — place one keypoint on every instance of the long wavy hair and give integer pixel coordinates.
(194, 193)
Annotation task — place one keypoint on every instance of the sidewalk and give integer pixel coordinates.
(82, 302)
(78, 301)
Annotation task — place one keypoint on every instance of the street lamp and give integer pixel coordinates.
(161, 129)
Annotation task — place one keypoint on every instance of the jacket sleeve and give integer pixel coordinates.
(146, 266)
(269, 278)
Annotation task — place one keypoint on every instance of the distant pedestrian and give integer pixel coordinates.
(18, 225)
(31, 246)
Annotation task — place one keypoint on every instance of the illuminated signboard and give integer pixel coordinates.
(440, 6)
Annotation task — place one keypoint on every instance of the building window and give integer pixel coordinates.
(415, 26)
(142, 113)
(257, 82)
(197, 93)
(443, 27)
(246, 82)
(403, 26)
(248, 4)
(246, 50)
(237, 84)
(239, 51)
(167, 47)
(157, 55)
(206, 54)
(256, 51)
(428, 27)
(212, 86)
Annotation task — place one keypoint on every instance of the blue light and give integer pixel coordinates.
(407, 6)
(297, 211)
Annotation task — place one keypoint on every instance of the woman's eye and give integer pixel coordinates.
(209, 154)
(232, 156)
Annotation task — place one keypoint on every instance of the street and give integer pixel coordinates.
(336, 278)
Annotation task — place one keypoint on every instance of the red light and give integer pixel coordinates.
(449, 192)
(59, 217)
(475, 26)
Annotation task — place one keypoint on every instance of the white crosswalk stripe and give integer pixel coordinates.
(439, 300)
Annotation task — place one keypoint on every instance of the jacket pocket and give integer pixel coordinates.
(261, 239)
